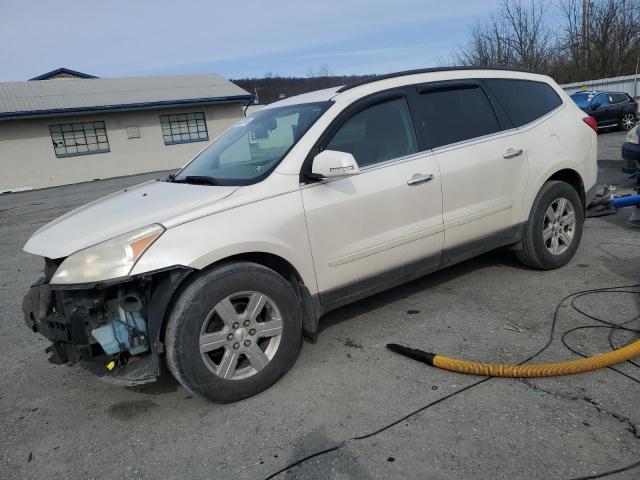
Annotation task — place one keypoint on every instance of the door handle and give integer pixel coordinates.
(419, 179)
(512, 153)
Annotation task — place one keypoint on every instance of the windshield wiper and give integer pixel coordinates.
(199, 180)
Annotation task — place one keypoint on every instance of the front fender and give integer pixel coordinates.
(275, 225)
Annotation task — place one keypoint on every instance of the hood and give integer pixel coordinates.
(121, 212)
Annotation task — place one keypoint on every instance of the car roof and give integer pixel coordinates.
(421, 75)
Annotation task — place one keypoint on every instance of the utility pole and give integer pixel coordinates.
(584, 33)
(635, 80)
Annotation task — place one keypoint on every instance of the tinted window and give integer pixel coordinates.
(455, 114)
(524, 100)
(377, 133)
(618, 98)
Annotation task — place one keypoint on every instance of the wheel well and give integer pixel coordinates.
(574, 179)
(281, 266)
(269, 260)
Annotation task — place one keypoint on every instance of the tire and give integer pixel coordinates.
(244, 353)
(628, 121)
(558, 249)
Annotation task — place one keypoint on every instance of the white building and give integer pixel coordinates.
(66, 127)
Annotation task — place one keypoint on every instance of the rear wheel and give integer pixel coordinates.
(628, 121)
(233, 332)
(554, 229)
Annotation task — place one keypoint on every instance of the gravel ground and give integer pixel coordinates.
(62, 422)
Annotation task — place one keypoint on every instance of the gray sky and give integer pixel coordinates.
(246, 38)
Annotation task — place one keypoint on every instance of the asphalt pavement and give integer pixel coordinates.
(62, 422)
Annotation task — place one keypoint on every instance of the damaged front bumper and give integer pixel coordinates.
(114, 328)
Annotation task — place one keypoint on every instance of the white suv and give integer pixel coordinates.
(311, 203)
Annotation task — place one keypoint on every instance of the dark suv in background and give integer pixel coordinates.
(610, 109)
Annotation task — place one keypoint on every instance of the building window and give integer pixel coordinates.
(183, 128)
(133, 131)
(71, 139)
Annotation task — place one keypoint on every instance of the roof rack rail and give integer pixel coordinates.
(423, 70)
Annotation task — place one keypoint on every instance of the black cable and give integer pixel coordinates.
(612, 344)
(475, 384)
(571, 349)
(610, 472)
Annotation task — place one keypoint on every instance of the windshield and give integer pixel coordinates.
(253, 147)
(582, 99)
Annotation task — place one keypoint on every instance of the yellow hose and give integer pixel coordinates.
(534, 370)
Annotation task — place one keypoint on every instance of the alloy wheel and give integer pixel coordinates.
(240, 335)
(628, 121)
(559, 226)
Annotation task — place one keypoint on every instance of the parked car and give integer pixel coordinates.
(631, 151)
(610, 109)
(309, 204)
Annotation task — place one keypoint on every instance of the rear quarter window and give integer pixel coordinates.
(524, 100)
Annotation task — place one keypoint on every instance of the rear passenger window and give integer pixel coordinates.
(618, 98)
(524, 100)
(381, 132)
(455, 114)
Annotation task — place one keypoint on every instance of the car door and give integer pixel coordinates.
(601, 110)
(483, 164)
(388, 218)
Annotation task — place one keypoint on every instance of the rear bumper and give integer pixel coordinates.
(631, 153)
(66, 315)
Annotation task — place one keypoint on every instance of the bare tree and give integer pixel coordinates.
(488, 46)
(599, 38)
(515, 36)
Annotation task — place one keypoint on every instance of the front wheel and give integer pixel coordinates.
(554, 229)
(233, 332)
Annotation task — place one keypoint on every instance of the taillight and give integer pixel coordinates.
(591, 122)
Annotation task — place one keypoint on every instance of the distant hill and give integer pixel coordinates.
(270, 88)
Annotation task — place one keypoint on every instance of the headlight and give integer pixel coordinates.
(632, 135)
(110, 259)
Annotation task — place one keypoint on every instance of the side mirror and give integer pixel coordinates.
(595, 106)
(332, 164)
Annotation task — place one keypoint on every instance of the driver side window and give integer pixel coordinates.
(381, 132)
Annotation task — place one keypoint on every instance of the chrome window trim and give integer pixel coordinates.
(374, 166)
(475, 140)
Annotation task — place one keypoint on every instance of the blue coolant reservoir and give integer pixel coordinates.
(125, 333)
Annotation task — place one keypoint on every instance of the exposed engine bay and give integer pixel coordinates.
(105, 327)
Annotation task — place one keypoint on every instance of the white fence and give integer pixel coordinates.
(626, 84)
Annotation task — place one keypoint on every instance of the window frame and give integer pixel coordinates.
(190, 140)
(346, 114)
(78, 154)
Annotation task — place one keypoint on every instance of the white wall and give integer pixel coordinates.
(613, 84)
(27, 158)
